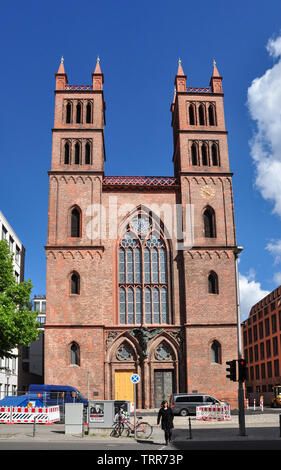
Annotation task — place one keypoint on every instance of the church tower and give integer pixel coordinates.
(73, 255)
(201, 164)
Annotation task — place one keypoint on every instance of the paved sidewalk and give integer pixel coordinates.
(258, 427)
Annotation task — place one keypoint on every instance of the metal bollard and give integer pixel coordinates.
(280, 425)
(34, 422)
(189, 427)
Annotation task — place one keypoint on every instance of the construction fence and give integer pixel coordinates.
(213, 412)
(28, 414)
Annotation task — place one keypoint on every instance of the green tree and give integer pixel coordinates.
(18, 325)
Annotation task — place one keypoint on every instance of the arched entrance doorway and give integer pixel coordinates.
(156, 362)
(163, 364)
(122, 362)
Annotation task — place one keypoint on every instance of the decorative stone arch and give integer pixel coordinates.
(165, 338)
(164, 355)
(116, 360)
(116, 344)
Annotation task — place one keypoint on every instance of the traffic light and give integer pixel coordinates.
(232, 370)
(242, 370)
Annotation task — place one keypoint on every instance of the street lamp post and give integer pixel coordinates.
(241, 404)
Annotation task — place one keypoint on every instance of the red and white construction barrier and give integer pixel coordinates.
(20, 414)
(218, 412)
(254, 404)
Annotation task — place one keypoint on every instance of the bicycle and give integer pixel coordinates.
(125, 428)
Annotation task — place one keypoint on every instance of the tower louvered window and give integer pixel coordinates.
(78, 113)
(87, 153)
(66, 154)
(68, 113)
(143, 275)
(89, 113)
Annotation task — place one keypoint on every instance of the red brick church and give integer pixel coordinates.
(140, 270)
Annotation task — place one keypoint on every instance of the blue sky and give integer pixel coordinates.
(139, 44)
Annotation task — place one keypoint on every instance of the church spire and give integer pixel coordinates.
(216, 79)
(180, 69)
(97, 76)
(61, 67)
(97, 69)
(180, 80)
(215, 69)
(61, 77)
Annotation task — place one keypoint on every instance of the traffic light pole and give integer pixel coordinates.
(241, 403)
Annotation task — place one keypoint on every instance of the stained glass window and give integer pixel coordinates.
(143, 289)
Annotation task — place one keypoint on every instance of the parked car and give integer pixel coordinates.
(184, 404)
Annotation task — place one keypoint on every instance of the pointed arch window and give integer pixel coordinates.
(88, 153)
(191, 111)
(78, 113)
(215, 154)
(213, 283)
(209, 223)
(89, 113)
(67, 153)
(201, 112)
(75, 354)
(216, 352)
(211, 112)
(204, 151)
(68, 113)
(143, 275)
(75, 283)
(75, 222)
(194, 154)
(77, 153)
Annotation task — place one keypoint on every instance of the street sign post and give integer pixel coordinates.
(135, 378)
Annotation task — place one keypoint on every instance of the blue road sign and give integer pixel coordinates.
(135, 378)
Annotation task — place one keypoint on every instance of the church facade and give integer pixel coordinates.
(140, 270)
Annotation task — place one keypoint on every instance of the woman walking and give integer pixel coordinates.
(166, 416)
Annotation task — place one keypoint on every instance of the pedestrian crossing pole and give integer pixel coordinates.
(135, 378)
(134, 410)
(241, 403)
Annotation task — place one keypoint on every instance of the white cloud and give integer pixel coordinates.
(277, 278)
(274, 247)
(250, 293)
(264, 104)
(274, 47)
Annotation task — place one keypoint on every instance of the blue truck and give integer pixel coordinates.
(52, 395)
